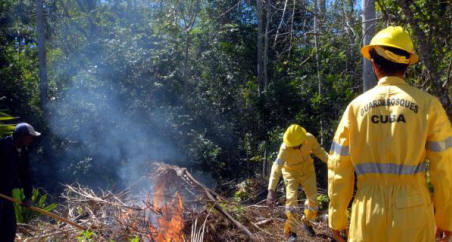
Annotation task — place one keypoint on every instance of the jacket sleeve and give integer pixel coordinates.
(4, 170)
(275, 173)
(340, 175)
(318, 151)
(25, 175)
(439, 153)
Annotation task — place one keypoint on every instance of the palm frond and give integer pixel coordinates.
(6, 129)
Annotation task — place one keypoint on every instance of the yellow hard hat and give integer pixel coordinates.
(294, 135)
(396, 37)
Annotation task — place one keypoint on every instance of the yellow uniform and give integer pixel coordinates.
(297, 167)
(385, 137)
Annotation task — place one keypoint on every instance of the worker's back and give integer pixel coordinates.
(301, 159)
(389, 129)
(385, 137)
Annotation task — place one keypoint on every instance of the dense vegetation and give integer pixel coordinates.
(190, 82)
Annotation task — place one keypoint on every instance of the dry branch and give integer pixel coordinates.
(183, 172)
(44, 212)
(122, 216)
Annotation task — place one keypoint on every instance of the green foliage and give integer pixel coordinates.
(24, 215)
(135, 239)
(241, 195)
(428, 25)
(323, 201)
(196, 79)
(234, 208)
(86, 236)
(5, 129)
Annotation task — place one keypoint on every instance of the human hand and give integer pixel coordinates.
(443, 235)
(340, 235)
(271, 198)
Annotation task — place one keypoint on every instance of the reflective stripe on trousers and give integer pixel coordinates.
(389, 168)
(306, 207)
(311, 209)
(293, 209)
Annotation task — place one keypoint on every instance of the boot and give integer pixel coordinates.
(308, 228)
(292, 237)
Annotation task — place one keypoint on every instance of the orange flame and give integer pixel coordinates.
(171, 221)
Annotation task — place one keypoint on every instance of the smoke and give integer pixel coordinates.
(105, 139)
(104, 110)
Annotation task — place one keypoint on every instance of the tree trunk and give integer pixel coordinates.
(265, 163)
(368, 24)
(291, 29)
(319, 78)
(42, 55)
(260, 43)
(322, 7)
(348, 9)
(187, 48)
(267, 37)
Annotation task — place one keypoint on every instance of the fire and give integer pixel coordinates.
(160, 218)
(170, 221)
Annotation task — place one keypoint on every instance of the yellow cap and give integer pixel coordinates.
(294, 135)
(393, 36)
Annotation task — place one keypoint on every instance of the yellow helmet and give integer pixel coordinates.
(396, 37)
(294, 135)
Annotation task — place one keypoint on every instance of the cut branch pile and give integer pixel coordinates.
(207, 216)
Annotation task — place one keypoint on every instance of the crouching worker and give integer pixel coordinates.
(14, 167)
(295, 163)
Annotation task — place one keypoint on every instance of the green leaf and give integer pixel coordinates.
(50, 207)
(42, 200)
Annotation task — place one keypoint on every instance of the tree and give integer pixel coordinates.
(260, 45)
(42, 53)
(429, 25)
(368, 25)
(268, 18)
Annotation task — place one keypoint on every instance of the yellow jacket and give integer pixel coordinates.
(385, 137)
(296, 160)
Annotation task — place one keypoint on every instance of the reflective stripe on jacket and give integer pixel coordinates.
(385, 136)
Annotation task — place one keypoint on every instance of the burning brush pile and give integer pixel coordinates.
(180, 209)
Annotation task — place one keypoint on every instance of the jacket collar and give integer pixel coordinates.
(391, 80)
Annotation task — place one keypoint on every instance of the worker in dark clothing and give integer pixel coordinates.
(14, 173)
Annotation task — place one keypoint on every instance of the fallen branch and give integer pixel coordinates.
(42, 236)
(44, 212)
(244, 229)
(266, 232)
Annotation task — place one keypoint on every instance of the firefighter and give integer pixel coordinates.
(295, 163)
(385, 137)
(14, 172)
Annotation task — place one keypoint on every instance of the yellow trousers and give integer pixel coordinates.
(392, 213)
(293, 179)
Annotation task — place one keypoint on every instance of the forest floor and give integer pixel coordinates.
(179, 209)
